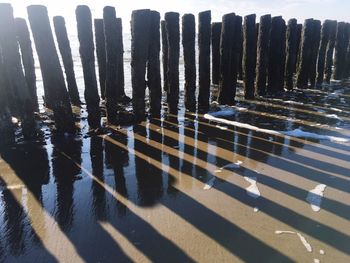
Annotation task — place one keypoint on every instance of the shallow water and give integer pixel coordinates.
(175, 189)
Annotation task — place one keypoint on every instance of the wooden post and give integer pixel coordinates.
(87, 55)
(6, 126)
(204, 30)
(228, 69)
(101, 54)
(25, 44)
(13, 70)
(164, 55)
(120, 73)
(291, 53)
(305, 54)
(140, 38)
(173, 36)
(66, 53)
(299, 32)
(341, 41)
(347, 51)
(55, 92)
(239, 46)
(153, 66)
(215, 52)
(329, 51)
(325, 34)
(316, 35)
(189, 52)
(276, 55)
(249, 55)
(111, 47)
(262, 54)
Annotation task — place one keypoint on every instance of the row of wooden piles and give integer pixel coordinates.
(269, 56)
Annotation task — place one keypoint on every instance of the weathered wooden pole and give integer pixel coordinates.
(239, 46)
(56, 94)
(249, 55)
(276, 55)
(66, 53)
(215, 52)
(325, 34)
(305, 54)
(347, 56)
(6, 126)
(340, 51)
(189, 52)
(204, 31)
(329, 51)
(25, 44)
(262, 54)
(291, 53)
(120, 73)
(316, 36)
(87, 55)
(164, 55)
(299, 32)
(228, 67)
(101, 54)
(140, 39)
(111, 47)
(153, 66)
(173, 36)
(13, 69)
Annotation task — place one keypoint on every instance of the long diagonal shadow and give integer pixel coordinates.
(285, 215)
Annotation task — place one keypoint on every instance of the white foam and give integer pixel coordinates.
(209, 184)
(316, 260)
(224, 112)
(293, 102)
(232, 166)
(335, 109)
(256, 209)
(322, 252)
(333, 116)
(314, 197)
(212, 117)
(15, 186)
(14, 120)
(252, 189)
(304, 134)
(221, 127)
(305, 243)
(279, 232)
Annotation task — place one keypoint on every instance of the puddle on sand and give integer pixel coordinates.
(136, 194)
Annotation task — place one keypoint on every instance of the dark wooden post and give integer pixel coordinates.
(340, 51)
(140, 38)
(164, 55)
(305, 54)
(25, 44)
(239, 46)
(215, 52)
(204, 30)
(111, 44)
(249, 55)
(228, 69)
(55, 92)
(276, 55)
(316, 35)
(329, 51)
(173, 36)
(101, 54)
(347, 53)
(13, 70)
(262, 54)
(188, 43)
(299, 32)
(120, 73)
(291, 53)
(6, 126)
(153, 66)
(325, 34)
(66, 53)
(87, 55)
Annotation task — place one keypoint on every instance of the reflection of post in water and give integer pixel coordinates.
(174, 161)
(149, 177)
(65, 172)
(116, 158)
(201, 173)
(98, 192)
(33, 177)
(189, 147)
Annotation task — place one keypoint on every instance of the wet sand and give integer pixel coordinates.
(184, 188)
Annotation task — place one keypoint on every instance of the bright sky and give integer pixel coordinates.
(300, 9)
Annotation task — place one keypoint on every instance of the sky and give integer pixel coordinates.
(300, 9)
